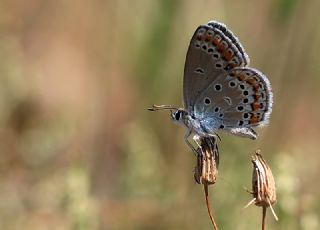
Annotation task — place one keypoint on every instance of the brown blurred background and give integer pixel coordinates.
(79, 150)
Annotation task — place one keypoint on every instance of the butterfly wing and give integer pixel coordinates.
(235, 102)
(212, 52)
(219, 90)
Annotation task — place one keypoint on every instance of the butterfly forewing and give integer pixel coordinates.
(212, 52)
(223, 28)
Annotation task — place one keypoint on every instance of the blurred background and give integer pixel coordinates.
(78, 148)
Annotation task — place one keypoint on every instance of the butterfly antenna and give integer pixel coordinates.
(161, 107)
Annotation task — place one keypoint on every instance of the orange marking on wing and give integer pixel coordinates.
(251, 81)
(227, 54)
(220, 47)
(233, 65)
(256, 87)
(255, 106)
(241, 77)
(256, 96)
(230, 66)
(215, 42)
(232, 74)
(199, 37)
(253, 119)
(208, 38)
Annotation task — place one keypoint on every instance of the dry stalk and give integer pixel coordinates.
(263, 187)
(206, 170)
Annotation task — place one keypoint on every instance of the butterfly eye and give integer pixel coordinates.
(177, 115)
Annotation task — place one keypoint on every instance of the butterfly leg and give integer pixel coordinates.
(188, 142)
(196, 139)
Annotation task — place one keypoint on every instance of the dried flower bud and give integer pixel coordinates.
(206, 170)
(263, 186)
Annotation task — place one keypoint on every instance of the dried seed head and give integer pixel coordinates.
(263, 186)
(206, 170)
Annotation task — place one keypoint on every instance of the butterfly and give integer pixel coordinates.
(220, 91)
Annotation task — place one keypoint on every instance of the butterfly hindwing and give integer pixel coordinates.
(235, 101)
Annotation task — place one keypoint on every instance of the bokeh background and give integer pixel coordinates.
(79, 150)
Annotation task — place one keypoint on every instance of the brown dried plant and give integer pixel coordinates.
(263, 186)
(206, 169)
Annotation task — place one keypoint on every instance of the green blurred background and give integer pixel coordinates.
(79, 150)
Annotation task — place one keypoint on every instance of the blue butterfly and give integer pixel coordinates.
(220, 91)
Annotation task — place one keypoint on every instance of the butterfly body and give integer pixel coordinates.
(182, 117)
(220, 91)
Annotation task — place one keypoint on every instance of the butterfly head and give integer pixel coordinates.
(178, 115)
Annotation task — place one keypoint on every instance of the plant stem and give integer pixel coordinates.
(264, 211)
(205, 186)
